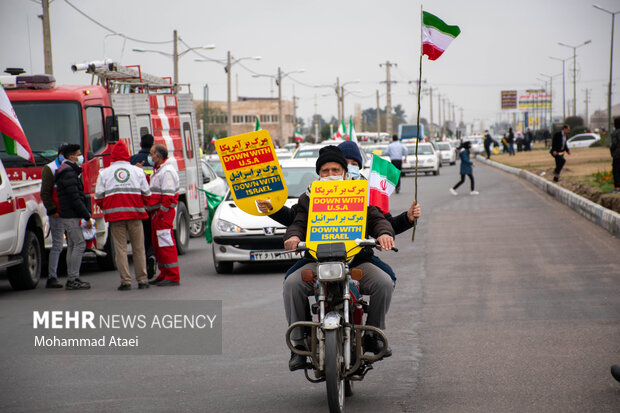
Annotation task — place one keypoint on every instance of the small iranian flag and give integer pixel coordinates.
(11, 130)
(381, 183)
(436, 35)
(298, 136)
(257, 126)
(352, 134)
(341, 130)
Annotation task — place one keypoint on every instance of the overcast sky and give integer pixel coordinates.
(503, 45)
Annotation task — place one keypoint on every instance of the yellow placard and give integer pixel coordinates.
(337, 213)
(252, 170)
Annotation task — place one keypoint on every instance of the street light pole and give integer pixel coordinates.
(280, 125)
(611, 65)
(175, 58)
(338, 96)
(575, 71)
(563, 86)
(228, 90)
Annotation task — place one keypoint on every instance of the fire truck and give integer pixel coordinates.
(122, 102)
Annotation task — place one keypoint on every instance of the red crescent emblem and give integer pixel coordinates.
(383, 184)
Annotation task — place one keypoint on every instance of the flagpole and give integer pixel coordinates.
(415, 194)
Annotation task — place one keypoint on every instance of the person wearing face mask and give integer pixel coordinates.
(331, 165)
(74, 206)
(49, 196)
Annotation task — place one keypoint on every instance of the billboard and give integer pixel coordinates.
(509, 99)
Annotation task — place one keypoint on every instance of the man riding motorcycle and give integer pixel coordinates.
(332, 165)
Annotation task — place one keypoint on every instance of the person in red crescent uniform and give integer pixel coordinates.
(122, 192)
(164, 199)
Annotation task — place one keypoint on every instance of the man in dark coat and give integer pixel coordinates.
(74, 206)
(332, 165)
(146, 142)
(558, 147)
(488, 143)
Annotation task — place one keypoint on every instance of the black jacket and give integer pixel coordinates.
(556, 143)
(286, 216)
(614, 148)
(141, 156)
(73, 201)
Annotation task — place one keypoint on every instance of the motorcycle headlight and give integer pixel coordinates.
(226, 226)
(331, 271)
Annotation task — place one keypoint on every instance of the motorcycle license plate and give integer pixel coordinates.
(272, 256)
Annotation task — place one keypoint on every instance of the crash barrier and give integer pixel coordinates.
(606, 218)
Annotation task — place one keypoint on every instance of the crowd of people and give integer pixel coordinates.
(135, 209)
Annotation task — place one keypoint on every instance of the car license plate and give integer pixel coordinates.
(274, 255)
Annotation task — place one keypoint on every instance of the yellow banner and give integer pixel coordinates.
(337, 213)
(252, 170)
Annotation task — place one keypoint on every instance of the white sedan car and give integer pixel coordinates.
(583, 140)
(241, 237)
(447, 152)
(427, 159)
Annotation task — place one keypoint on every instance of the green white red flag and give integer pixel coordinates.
(436, 35)
(257, 126)
(352, 134)
(381, 183)
(298, 136)
(15, 141)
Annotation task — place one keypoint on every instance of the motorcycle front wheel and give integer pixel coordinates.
(334, 377)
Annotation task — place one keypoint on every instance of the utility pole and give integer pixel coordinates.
(175, 59)
(439, 112)
(47, 37)
(316, 120)
(228, 71)
(279, 83)
(294, 109)
(388, 84)
(431, 130)
(378, 118)
(586, 102)
(342, 101)
(338, 96)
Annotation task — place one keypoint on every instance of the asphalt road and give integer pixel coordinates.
(507, 301)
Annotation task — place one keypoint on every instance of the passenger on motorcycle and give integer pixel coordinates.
(332, 165)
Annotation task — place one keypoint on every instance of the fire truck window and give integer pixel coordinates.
(143, 131)
(187, 134)
(94, 121)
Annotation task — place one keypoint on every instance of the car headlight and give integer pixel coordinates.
(331, 271)
(226, 226)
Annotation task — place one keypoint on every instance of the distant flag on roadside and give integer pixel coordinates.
(257, 126)
(213, 139)
(298, 136)
(382, 181)
(436, 35)
(15, 141)
(341, 131)
(352, 134)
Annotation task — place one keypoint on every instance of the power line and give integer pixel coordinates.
(113, 31)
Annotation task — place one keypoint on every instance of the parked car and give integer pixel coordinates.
(241, 237)
(283, 154)
(477, 143)
(447, 152)
(211, 183)
(428, 160)
(216, 165)
(583, 140)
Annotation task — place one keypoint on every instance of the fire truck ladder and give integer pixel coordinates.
(116, 78)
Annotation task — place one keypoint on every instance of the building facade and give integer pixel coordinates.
(245, 111)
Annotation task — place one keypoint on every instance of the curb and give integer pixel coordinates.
(606, 218)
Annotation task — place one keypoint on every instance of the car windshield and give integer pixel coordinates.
(217, 168)
(444, 147)
(297, 180)
(422, 150)
(47, 125)
(307, 153)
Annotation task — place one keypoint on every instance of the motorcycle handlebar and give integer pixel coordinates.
(370, 242)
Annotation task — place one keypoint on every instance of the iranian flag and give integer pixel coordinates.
(298, 136)
(436, 35)
(352, 134)
(342, 130)
(257, 126)
(381, 183)
(15, 140)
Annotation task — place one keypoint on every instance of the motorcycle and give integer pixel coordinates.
(335, 339)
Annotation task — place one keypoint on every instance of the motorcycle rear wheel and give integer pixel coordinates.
(334, 377)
